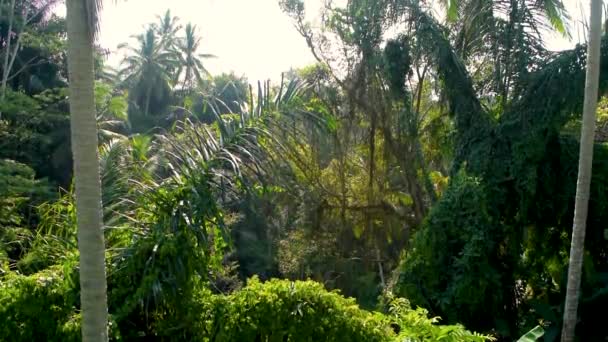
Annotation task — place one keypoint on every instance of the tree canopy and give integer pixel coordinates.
(424, 166)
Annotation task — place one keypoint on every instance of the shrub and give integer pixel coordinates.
(38, 307)
(44, 307)
(280, 310)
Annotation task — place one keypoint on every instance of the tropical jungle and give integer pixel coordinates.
(436, 174)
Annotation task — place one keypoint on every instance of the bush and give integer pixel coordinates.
(39, 307)
(280, 310)
(19, 190)
(44, 306)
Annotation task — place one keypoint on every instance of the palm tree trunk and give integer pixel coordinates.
(147, 104)
(584, 173)
(86, 171)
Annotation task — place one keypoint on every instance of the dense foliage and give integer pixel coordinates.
(292, 311)
(423, 167)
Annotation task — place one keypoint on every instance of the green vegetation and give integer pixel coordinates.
(42, 307)
(416, 183)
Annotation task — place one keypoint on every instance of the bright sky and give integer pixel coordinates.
(251, 37)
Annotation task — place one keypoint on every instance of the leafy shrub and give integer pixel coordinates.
(18, 192)
(414, 325)
(39, 307)
(36, 132)
(281, 310)
(55, 238)
(43, 307)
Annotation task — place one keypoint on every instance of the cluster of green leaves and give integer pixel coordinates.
(177, 242)
(464, 265)
(55, 238)
(493, 251)
(300, 311)
(305, 311)
(40, 307)
(39, 35)
(35, 131)
(19, 192)
(44, 306)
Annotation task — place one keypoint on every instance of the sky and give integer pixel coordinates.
(252, 37)
(249, 37)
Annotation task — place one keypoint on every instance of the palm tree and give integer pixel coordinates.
(167, 28)
(191, 65)
(584, 172)
(504, 34)
(148, 68)
(82, 20)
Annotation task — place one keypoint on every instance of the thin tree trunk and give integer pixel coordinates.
(380, 269)
(584, 173)
(86, 172)
(5, 70)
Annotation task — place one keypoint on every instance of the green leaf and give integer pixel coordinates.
(452, 10)
(556, 13)
(332, 124)
(533, 335)
(406, 199)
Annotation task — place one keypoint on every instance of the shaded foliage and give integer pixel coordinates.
(525, 189)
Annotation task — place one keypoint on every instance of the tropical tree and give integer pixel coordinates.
(82, 20)
(23, 31)
(147, 71)
(501, 41)
(584, 172)
(191, 65)
(167, 28)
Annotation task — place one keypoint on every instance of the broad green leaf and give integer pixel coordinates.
(533, 335)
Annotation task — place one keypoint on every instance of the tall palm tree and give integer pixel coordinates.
(148, 68)
(167, 28)
(82, 21)
(191, 65)
(584, 172)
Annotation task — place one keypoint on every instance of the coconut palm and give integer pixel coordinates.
(167, 28)
(82, 21)
(147, 70)
(584, 172)
(191, 65)
(503, 34)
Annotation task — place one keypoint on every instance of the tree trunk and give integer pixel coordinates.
(5, 70)
(147, 104)
(86, 172)
(584, 173)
